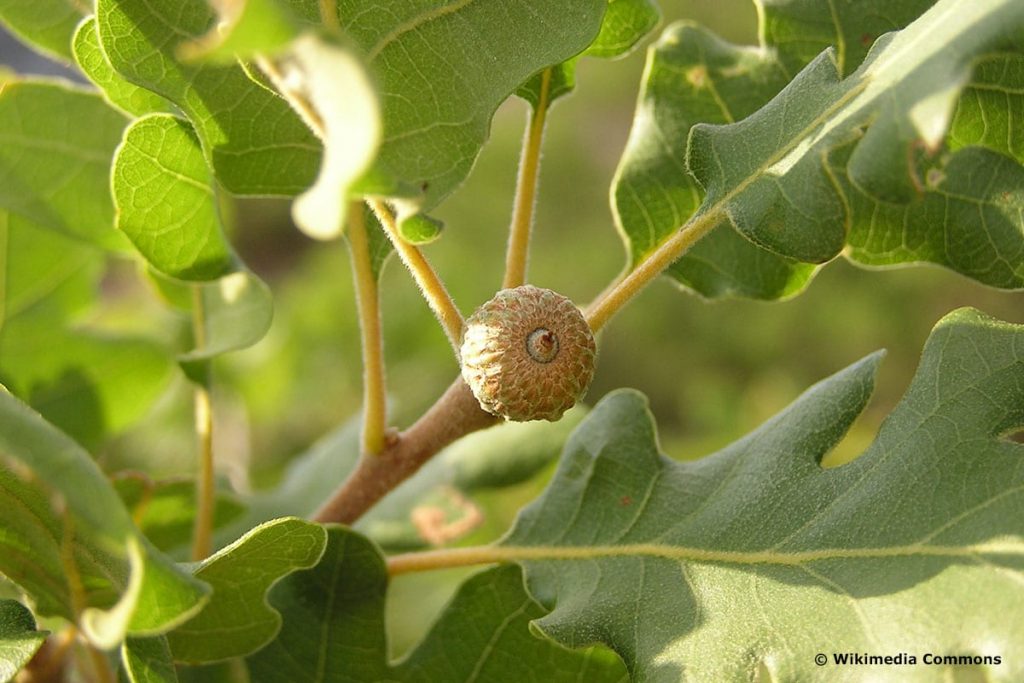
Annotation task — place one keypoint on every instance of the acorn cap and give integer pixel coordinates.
(528, 354)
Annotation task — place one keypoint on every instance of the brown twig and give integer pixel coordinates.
(454, 415)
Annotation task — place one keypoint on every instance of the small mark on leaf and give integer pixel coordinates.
(697, 76)
(866, 39)
(625, 501)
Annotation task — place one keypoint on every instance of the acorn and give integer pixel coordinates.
(528, 354)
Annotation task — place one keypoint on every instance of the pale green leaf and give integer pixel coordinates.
(129, 587)
(44, 24)
(253, 140)
(93, 62)
(730, 565)
(54, 171)
(148, 660)
(238, 621)
(19, 638)
(334, 629)
(165, 200)
(339, 89)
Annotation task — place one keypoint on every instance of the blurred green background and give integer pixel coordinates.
(713, 370)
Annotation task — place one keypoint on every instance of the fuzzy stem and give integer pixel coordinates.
(329, 15)
(202, 536)
(430, 284)
(517, 256)
(617, 296)
(454, 415)
(298, 102)
(368, 303)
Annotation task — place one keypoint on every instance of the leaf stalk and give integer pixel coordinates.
(426, 278)
(368, 304)
(517, 254)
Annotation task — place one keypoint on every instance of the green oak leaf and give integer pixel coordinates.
(238, 621)
(694, 77)
(800, 30)
(148, 660)
(990, 110)
(255, 143)
(46, 25)
(127, 586)
(88, 382)
(19, 638)
(968, 219)
(776, 188)
(94, 63)
(165, 200)
(442, 69)
(165, 510)
(624, 24)
(54, 171)
(334, 629)
(734, 564)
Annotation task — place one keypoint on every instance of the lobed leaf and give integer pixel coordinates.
(238, 621)
(801, 193)
(19, 638)
(692, 76)
(54, 171)
(720, 568)
(334, 629)
(82, 559)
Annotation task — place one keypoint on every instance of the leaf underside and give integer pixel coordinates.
(830, 164)
(713, 569)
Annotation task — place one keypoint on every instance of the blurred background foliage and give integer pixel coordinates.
(713, 371)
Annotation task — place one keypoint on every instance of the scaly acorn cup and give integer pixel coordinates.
(528, 354)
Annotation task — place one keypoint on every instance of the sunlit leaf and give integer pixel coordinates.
(54, 171)
(238, 620)
(719, 568)
(19, 638)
